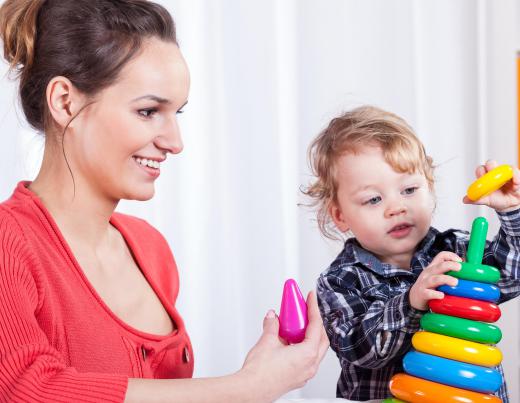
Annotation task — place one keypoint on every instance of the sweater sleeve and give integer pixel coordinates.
(30, 368)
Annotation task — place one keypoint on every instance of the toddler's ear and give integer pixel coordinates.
(338, 217)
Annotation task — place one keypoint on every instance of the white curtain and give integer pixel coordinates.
(266, 77)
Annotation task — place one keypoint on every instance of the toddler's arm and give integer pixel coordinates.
(366, 332)
(369, 326)
(504, 254)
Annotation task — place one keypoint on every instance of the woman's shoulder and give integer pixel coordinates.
(138, 226)
(140, 233)
(9, 224)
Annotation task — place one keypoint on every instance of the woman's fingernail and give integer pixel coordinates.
(270, 314)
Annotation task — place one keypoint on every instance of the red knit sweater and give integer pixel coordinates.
(59, 341)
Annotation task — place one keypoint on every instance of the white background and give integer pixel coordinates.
(267, 76)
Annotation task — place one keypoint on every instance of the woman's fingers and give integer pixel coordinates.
(324, 345)
(270, 328)
(315, 325)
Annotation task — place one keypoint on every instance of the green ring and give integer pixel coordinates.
(460, 328)
(477, 272)
(393, 400)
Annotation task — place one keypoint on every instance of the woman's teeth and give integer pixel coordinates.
(148, 163)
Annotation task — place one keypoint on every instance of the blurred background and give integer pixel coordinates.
(267, 76)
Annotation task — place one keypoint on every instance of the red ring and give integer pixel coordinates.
(466, 308)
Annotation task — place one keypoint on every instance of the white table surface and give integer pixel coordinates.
(323, 401)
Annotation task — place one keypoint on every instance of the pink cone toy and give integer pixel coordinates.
(293, 313)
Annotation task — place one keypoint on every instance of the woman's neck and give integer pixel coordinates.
(79, 209)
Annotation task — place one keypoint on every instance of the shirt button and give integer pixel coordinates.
(186, 355)
(397, 316)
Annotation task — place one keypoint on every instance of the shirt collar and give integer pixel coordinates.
(356, 254)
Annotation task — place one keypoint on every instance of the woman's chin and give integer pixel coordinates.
(140, 193)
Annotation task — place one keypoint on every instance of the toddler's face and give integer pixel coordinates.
(387, 211)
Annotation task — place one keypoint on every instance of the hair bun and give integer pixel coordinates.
(18, 20)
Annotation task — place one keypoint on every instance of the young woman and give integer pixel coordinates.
(87, 296)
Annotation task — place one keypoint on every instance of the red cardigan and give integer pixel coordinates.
(59, 341)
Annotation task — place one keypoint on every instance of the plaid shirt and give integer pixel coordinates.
(366, 310)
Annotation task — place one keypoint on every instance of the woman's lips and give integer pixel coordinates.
(153, 172)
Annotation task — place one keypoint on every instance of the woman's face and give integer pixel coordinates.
(117, 144)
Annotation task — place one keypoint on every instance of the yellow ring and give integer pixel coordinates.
(489, 182)
(457, 349)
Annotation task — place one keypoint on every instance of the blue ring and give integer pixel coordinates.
(453, 373)
(473, 290)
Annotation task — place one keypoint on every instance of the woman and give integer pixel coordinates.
(87, 295)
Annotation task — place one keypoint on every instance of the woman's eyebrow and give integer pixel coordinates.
(153, 98)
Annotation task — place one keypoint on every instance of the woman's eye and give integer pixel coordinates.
(147, 112)
(373, 200)
(410, 190)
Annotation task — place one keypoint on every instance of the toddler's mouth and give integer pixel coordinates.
(400, 230)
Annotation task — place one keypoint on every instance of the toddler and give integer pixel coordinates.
(375, 185)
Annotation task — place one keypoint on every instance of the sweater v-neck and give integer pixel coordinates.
(127, 236)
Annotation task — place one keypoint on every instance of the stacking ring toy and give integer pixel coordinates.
(472, 289)
(456, 349)
(412, 389)
(452, 373)
(466, 308)
(453, 357)
(489, 182)
(478, 332)
(477, 272)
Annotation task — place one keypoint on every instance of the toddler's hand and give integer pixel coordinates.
(506, 198)
(432, 277)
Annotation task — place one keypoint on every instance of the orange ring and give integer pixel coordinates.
(417, 390)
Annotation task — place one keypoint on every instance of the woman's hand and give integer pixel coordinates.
(432, 277)
(272, 368)
(507, 198)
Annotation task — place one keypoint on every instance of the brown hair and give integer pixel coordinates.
(363, 126)
(87, 41)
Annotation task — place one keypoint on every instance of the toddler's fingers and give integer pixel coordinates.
(491, 164)
(445, 256)
(434, 294)
(446, 266)
(442, 279)
(516, 178)
(480, 170)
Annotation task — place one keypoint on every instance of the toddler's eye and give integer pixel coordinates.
(410, 190)
(147, 113)
(373, 200)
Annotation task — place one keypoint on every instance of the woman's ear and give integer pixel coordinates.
(337, 216)
(63, 100)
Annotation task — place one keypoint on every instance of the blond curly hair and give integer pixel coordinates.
(347, 133)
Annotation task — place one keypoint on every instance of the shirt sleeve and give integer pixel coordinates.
(30, 368)
(504, 254)
(364, 331)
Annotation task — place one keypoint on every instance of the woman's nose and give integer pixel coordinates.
(170, 139)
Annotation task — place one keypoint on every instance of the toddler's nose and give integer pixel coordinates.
(395, 209)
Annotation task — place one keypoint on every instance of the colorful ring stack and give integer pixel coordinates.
(454, 356)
